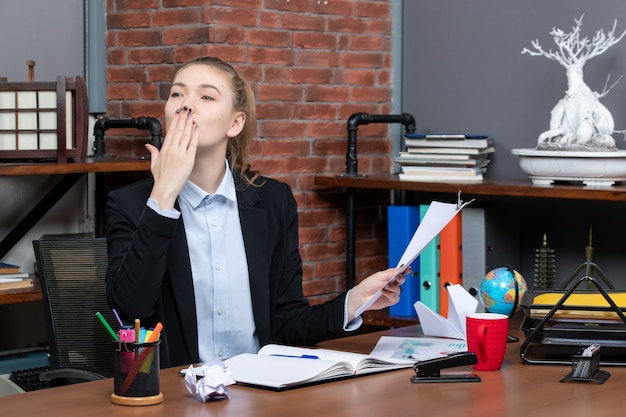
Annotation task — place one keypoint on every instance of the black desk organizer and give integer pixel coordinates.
(586, 369)
(556, 342)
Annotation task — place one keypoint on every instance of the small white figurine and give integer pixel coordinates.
(578, 122)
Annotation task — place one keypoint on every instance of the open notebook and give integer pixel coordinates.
(281, 367)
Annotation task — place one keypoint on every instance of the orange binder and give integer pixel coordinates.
(451, 260)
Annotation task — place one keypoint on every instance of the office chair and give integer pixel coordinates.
(72, 273)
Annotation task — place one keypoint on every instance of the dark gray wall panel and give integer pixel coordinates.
(464, 71)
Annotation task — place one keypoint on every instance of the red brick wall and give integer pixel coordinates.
(312, 64)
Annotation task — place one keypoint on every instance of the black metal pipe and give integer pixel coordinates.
(357, 119)
(354, 121)
(142, 123)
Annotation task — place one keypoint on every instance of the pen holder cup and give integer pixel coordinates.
(586, 369)
(136, 377)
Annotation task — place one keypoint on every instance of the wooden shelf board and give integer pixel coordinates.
(494, 187)
(105, 164)
(22, 295)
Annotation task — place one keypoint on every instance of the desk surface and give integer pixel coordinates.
(517, 390)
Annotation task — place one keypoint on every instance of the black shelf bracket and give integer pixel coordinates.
(141, 123)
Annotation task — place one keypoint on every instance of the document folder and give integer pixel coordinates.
(402, 223)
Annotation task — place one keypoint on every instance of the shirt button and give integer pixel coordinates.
(214, 223)
(220, 312)
(220, 353)
(218, 267)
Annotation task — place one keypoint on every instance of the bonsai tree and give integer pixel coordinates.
(578, 122)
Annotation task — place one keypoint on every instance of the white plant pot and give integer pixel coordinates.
(598, 169)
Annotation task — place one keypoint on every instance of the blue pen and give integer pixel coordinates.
(301, 356)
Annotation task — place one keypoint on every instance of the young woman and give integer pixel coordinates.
(209, 248)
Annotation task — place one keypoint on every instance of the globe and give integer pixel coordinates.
(497, 290)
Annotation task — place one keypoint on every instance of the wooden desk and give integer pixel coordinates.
(516, 390)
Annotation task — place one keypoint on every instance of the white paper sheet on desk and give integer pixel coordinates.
(415, 349)
(436, 218)
(460, 304)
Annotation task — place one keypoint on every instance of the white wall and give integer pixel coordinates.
(20, 194)
(50, 32)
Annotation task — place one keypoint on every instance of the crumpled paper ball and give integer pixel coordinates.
(213, 384)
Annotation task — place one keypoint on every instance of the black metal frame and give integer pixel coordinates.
(535, 329)
(141, 123)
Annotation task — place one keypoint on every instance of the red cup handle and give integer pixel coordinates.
(482, 335)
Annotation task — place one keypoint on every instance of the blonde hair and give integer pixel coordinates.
(243, 101)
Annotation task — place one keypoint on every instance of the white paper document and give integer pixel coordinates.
(460, 304)
(417, 349)
(13, 277)
(436, 218)
(3, 280)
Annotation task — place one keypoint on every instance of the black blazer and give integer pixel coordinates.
(149, 273)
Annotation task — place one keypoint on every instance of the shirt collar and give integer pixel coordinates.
(196, 195)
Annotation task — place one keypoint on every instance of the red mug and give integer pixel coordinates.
(487, 335)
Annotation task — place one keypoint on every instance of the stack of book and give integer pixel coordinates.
(450, 158)
(11, 277)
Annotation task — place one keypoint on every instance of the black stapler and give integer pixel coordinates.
(430, 370)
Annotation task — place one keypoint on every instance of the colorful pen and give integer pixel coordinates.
(106, 326)
(137, 330)
(130, 377)
(117, 316)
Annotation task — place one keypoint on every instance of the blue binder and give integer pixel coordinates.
(402, 224)
(429, 270)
